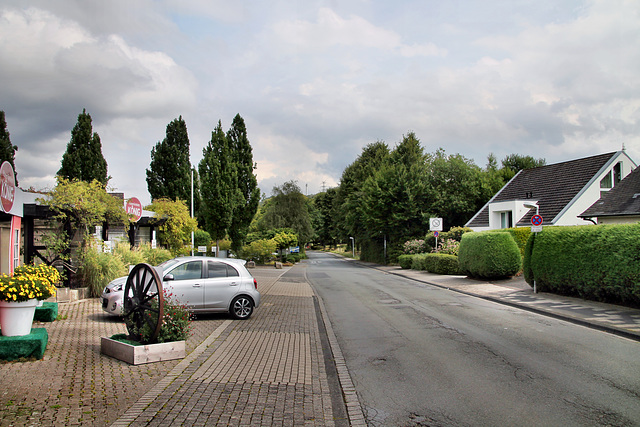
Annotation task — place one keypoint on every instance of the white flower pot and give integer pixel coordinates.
(16, 317)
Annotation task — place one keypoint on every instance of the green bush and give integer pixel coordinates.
(594, 262)
(436, 263)
(127, 255)
(97, 269)
(154, 256)
(489, 255)
(519, 234)
(405, 261)
(261, 251)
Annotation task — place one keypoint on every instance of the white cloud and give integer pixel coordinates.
(330, 29)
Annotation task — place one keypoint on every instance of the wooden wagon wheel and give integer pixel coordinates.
(143, 303)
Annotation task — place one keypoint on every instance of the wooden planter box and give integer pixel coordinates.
(140, 354)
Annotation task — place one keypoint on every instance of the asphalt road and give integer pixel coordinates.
(421, 355)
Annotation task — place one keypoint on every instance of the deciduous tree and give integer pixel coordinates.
(176, 225)
(288, 208)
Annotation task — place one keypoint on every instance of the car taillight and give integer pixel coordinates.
(255, 283)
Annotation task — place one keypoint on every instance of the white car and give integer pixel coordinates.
(203, 284)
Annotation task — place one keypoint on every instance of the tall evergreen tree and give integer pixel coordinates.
(169, 174)
(83, 159)
(218, 188)
(7, 150)
(246, 182)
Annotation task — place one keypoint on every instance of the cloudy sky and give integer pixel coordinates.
(317, 80)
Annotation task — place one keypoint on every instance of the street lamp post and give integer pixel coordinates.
(353, 247)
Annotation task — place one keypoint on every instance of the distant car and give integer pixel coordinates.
(203, 284)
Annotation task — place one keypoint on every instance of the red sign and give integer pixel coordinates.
(536, 220)
(134, 209)
(7, 186)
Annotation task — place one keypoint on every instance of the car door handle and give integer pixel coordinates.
(234, 283)
(196, 285)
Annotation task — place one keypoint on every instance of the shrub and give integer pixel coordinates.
(97, 269)
(595, 262)
(520, 235)
(127, 255)
(154, 256)
(436, 263)
(489, 255)
(261, 251)
(449, 247)
(405, 261)
(413, 247)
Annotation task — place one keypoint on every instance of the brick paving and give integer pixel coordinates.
(268, 370)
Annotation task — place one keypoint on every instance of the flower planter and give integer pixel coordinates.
(140, 354)
(16, 317)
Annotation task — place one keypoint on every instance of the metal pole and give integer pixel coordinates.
(192, 235)
(353, 247)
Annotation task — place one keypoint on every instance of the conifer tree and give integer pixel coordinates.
(246, 182)
(169, 174)
(7, 150)
(83, 159)
(218, 189)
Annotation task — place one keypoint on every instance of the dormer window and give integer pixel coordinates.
(613, 177)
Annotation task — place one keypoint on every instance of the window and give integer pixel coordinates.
(217, 269)
(232, 272)
(606, 182)
(617, 173)
(506, 220)
(188, 271)
(220, 269)
(610, 179)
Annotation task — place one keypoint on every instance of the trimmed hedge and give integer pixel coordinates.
(519, 234)
(436, 263)
(594, 262)
(405, 261)
(489, 255)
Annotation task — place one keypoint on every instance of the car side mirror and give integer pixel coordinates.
(168, 277)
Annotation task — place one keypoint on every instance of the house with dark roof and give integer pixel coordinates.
(559, 192)
(620, 205)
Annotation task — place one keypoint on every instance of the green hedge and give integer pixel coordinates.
(436, 263)
(489, 255)
(520, 236)
(594, 262)
(405, 261)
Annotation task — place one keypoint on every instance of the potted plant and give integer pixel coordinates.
(170, 343)
(21, 293)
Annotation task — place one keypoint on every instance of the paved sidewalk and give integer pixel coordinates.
(268, 370)
(619, 320)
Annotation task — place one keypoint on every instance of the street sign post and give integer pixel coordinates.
(536, 223)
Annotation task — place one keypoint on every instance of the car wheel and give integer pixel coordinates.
(241, 307)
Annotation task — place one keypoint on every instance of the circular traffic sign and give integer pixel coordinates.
(536, 220)
(436, 234)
